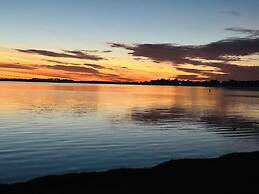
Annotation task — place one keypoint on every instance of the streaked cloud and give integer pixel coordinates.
(232, 13)
(16, 66)
(107, 51)
(70, 68)
(91, 65)
(250, 32)
(95, 66)
(77, 54)
(225, 72)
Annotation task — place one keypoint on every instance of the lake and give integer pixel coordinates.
(56, 128)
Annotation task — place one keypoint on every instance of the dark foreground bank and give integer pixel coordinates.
(233, 173)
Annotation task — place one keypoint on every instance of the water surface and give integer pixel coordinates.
(53, 128)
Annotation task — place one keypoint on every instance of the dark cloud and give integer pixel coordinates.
(118, 45)
(16, 66)
(70, 71)
(91, 51)
(225, 51)
(95, 66)
(103, 76)
(107, 51)
(98, 51)
(140, 59)
(71, 68)
(85, 72)
(180, 54)
(237, 72)
(233, 13)
(62, 62)
(250, 32)
(224, 72)
(115, 77)
(77, 54)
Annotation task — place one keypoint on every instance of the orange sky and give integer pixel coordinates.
(118, 64)
(15, 64)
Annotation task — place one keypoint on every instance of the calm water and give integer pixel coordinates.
(58, 128)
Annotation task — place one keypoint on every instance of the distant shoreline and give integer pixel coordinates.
(161, 82)
(232, 173)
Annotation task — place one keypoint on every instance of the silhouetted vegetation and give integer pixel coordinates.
(167, 82)
(233, 173)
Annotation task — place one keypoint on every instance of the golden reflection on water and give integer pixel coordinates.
(216, 109)
(81, 98)
(120, 98)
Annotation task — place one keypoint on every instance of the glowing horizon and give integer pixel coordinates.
(171, 39)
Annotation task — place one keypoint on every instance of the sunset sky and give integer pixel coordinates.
(136, 40)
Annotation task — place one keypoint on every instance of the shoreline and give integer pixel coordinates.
(231, 173)
(231, 84)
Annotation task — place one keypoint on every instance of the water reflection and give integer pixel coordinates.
(214, 121)
(221, 111)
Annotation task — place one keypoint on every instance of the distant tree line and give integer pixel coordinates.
(168, 82)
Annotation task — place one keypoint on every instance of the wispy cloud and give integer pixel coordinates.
(71, 68)
(91, 70)
(232, 13)
(107, 51)
(250, 32)
(95, 66)
(16, 66)
(77, 54)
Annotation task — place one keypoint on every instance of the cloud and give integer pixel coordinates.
(86, 72)
(95, 66)
(224, 72)
(61, 62)
(124, 68)
(232, 13)
(218, 54)
(114, 77)
(77, 54)
(17, 66)
(107, 51)
(180, 54)
(71, 68)
(250, 32)
(103, 76)
(98, 51)
(231, 71)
